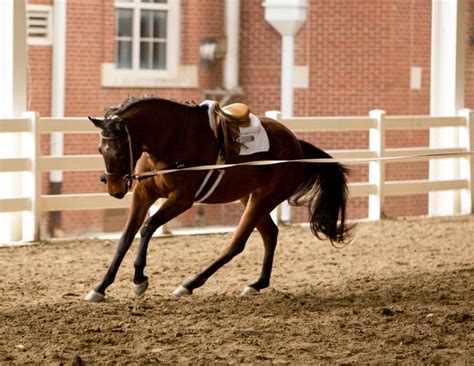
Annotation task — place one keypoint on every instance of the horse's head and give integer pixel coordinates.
(116, 149)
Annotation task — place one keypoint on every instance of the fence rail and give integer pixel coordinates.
(377, 123)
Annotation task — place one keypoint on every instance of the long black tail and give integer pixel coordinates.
(325, 192)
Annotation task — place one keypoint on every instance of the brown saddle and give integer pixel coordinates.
(227, 122)
(237, 113)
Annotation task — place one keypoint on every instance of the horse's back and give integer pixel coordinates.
(278, 179)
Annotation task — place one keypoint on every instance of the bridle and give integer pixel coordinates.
(128, 176)
(131, 175)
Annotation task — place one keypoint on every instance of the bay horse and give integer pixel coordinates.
(152, 133)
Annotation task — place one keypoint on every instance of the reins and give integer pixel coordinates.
(153, 173)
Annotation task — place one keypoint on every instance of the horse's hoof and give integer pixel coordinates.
(141, 288)
(181, 291)
(94, 296)
(249, 290)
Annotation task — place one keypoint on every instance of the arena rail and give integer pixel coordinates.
(33, 164)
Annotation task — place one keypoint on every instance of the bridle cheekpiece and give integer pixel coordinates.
(128, 176)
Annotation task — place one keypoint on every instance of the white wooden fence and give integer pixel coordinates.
(32, 203)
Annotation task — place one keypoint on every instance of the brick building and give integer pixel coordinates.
(352, 56)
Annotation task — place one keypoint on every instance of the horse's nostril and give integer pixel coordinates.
(103, 178)
(119, 195)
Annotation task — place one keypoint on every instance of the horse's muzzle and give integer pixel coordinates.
(119, 195)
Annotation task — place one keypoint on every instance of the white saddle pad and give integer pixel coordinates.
(254, 138)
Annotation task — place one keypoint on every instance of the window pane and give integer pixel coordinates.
(159, 55)
(145, 23)
(123, 54)
(159, 24)
(145, 56)
(123, 23)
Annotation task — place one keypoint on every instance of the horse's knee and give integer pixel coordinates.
(147, 227)
(150, 226)
(161, 217)
(233, 251)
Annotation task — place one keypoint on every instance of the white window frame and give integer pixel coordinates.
(174, 74)
(47, 40)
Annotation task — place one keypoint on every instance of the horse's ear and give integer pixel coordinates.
(98, 122)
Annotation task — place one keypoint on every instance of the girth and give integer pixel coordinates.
(209, 183)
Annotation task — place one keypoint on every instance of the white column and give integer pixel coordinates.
(58, 80)
(287, 99)
(287, 66)
(13, 99)
(377, 168)
(287, 17)
(276, 214)
(448, 34)
(232, 28)
(32, 181)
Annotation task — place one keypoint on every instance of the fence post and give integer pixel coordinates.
(377, 168)
(276, 213)
(32, 180)
(467, 163)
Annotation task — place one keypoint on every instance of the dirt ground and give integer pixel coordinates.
(403, 290)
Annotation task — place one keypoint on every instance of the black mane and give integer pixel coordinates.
(133, 100)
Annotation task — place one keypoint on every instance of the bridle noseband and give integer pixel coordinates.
(128, 176)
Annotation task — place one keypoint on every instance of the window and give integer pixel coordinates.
(146, 35)
(147, 46)
(39, 24)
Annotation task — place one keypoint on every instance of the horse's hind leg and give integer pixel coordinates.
(269, 233)
(257, 208)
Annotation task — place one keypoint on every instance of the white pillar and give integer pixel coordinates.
(58, 80)
(287, 66)
(448, 34)
(232, 28)
(32, 181)
(377, 168)
(13, 102)
(276, 214)
(287, 17)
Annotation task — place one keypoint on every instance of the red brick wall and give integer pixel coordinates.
(358, 53)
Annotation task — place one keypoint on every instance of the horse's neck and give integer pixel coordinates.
(178, 133)
(152, 129)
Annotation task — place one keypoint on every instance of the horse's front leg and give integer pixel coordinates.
(172, 207)
(141, 202)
